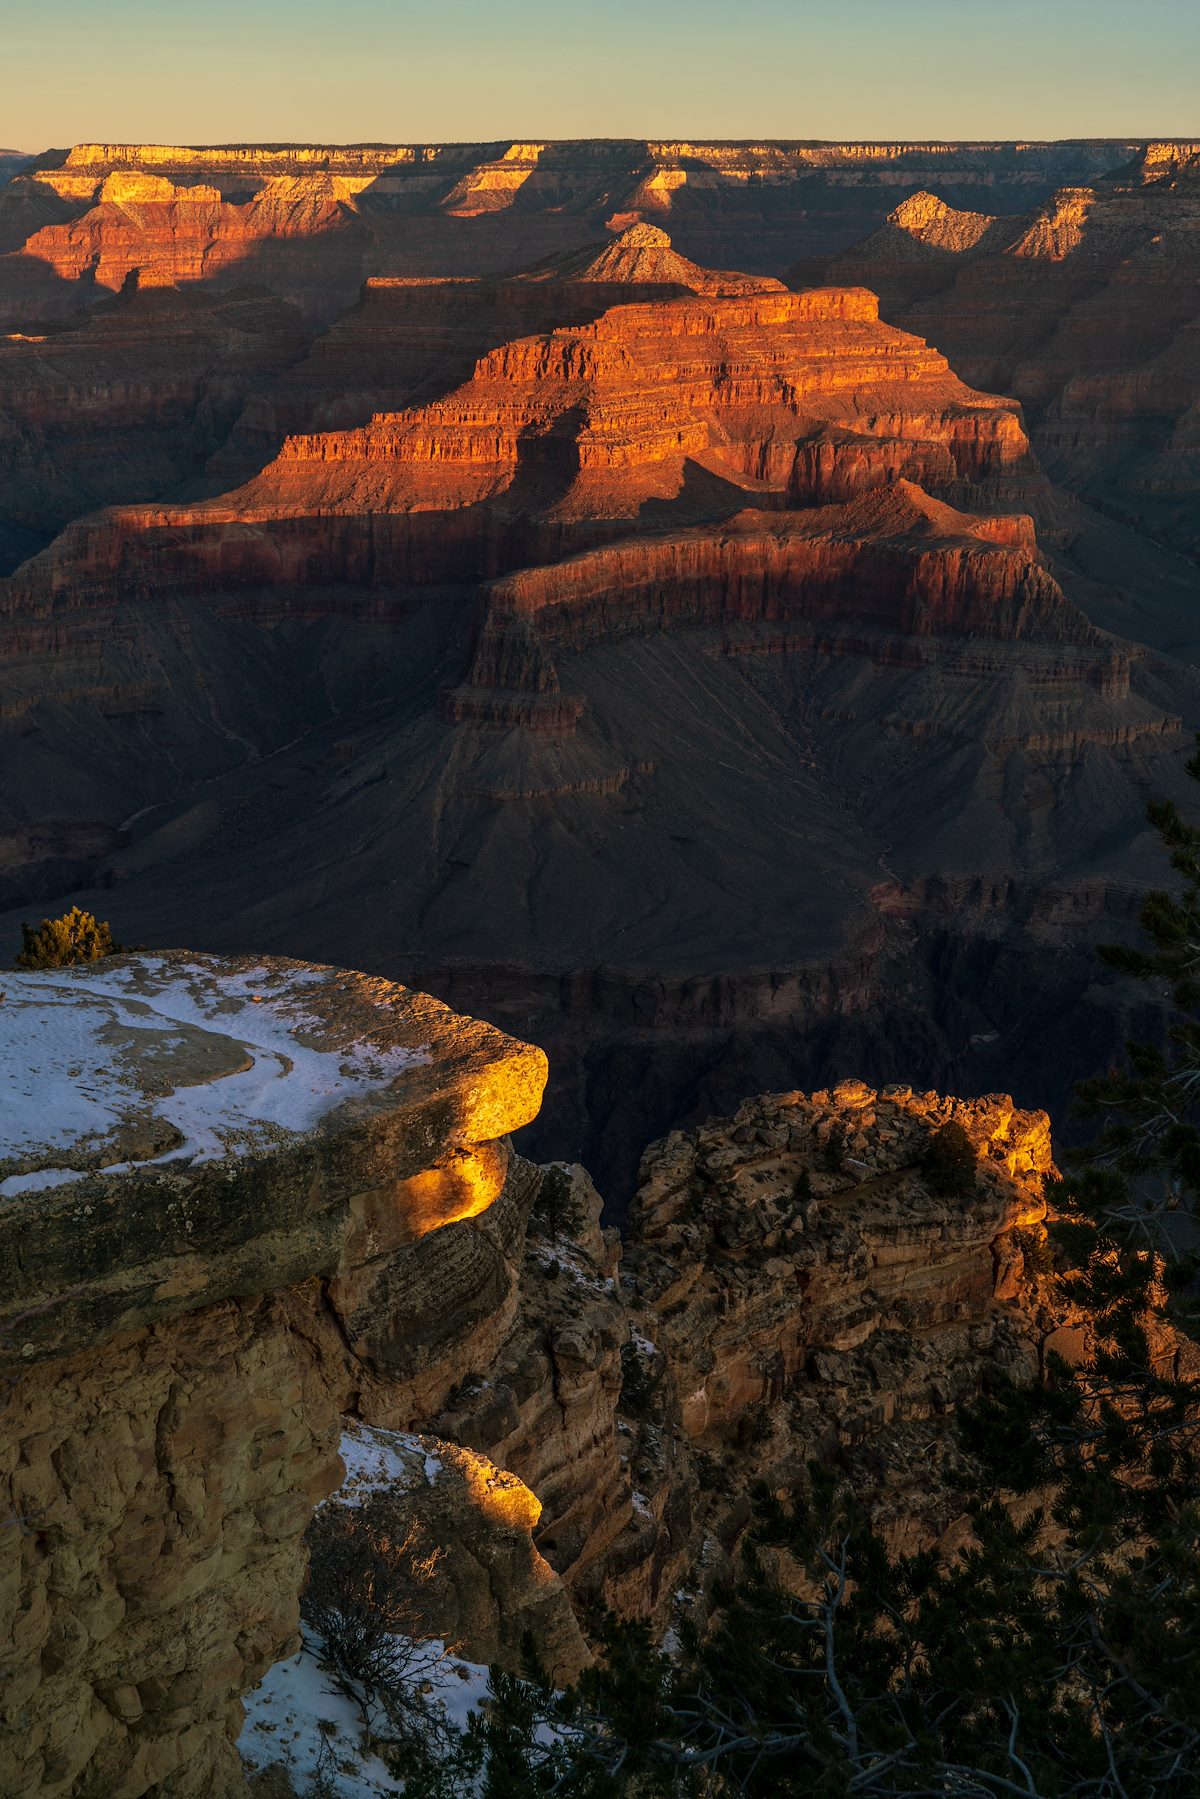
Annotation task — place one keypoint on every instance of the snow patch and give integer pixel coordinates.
(292, 1713)
(83, 1053)
(298, 1714)
(381, 1460)
(41, 1177)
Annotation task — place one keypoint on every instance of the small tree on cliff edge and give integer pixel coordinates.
(77, 936)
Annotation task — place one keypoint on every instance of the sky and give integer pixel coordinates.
(399, 71)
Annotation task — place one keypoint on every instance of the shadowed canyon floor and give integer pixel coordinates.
(709, 681)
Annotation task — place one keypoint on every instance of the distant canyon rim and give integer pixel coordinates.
(716, 611)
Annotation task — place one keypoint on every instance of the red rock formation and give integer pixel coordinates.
(621, 403)
(872, 578)
(641, 258)
(1084, 309)
(894, 557)
(684, 409)
(409, 338)
(317, 219)
(171, 234)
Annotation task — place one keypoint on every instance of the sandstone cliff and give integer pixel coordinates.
(791, 1287)
(197, 1156)
(457, 1533)
(809, 1293)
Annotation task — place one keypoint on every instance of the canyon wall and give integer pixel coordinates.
(523, 601)
(1082, 307)
(313, 221)
(127, 402)
(696, 677)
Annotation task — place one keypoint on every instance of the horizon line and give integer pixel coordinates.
(1019, 140)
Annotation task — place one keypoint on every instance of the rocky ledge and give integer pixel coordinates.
(185, 1129)
(256, 1212)
(205, 1162)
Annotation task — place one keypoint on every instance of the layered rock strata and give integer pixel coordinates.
(686, 408)
(810, 1294)
(723, 593)
(408, 338)
(204, 1163)
(886, 576)
(128, 402)
(1083, 308)
(313, 220)
(548, 1402)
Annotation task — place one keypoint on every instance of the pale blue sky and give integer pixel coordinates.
(398, 70)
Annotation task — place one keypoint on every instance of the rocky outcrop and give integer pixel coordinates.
(454, 1533)
(265, 1195)
(290, 234)
(369, 1122)
(642, 259)
(792, 1286)
(547, 1403)
(802, 1290)
(807, 1224)
(205, 1163)
(648, 383)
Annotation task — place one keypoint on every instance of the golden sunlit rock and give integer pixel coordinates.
(191, 1145)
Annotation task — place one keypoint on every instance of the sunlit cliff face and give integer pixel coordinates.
(462, 1187)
